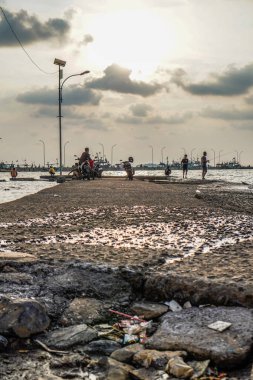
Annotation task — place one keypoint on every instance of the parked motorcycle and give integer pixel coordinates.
(81, 170)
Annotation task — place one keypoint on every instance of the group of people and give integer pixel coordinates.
(185, 163)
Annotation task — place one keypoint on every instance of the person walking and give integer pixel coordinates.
(204, 162)
(184, 164)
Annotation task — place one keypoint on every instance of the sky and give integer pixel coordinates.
(167, 77)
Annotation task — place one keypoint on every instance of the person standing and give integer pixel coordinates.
(204, 162)
(184, 164)
(85, 156)
(14, 172)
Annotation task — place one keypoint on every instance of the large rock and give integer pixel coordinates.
(125, 354)
(187, 330)
(102, 347)
(149, 310)
(69, 336)
(90, 282)
(84, 310)
(117, 370)
(22, 317)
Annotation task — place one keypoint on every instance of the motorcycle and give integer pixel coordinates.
(97, 170)
(81, 170)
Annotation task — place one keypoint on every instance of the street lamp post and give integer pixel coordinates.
(219, 155)
(60, 64)
(239, 162)
(44, 153)
(103, 150)
(152, 153)
(213, 157)
(162, 149)
(64, 152)
(112, 153)
(192, 152)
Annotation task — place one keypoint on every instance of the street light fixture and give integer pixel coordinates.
(103, 149)
(219, 155)
(64, 152)
(112, 153)
(44, 153)
(213, 157)
(60, 63)
(192, 152)
(162, 149)
(152, 152)
(239, 162)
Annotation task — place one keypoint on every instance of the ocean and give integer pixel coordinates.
(11, 190)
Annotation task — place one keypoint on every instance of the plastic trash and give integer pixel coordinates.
(177, 367)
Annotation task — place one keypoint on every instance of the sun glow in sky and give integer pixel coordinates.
(136, 39)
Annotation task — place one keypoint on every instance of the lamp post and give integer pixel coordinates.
(219, 155)
(64, 152)
(103, 150)
(239, 162)
(192, 152)
(60, 64)
(162, 149)
(213, 157)
(112, 153)
(152, 153)
(44, 152)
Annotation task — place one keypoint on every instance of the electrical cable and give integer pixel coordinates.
(20, 43)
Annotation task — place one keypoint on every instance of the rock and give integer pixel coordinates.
(179, 368)
(3, 343)
(126, 354)
(69, 336)
(174, 306)
(103, 347)
(149, 310)
(117, 370)
(84, 310)
(149, 374)
(188, 330)
(91, 282)
(23, 317)
(154, 358)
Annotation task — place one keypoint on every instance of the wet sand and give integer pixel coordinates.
(117, 222)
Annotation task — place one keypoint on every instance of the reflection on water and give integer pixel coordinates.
(10, 190)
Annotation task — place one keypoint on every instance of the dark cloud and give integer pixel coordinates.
(232, 82)
(228, 113)
(117, 79)
(74, 95)
(140, 110)
(87, 39)
(30, 29)
(173, 119)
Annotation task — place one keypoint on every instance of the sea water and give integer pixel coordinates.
(11, 190)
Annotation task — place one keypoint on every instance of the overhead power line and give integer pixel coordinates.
(20, 43)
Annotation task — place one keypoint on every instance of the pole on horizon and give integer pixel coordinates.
(103, 150)
(64, 152)
(44, 152)
(152, 153)
(112, 153)
(213, 157)
(162, 149)
(219, 155)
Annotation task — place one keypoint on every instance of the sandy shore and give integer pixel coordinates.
(116, 222)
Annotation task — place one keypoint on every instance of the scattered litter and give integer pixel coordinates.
(199, 368)
(219, 326)
(173, 305)
(56, 195)
(131, 330)
(177, 367)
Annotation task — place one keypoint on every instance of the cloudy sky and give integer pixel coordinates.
(166, 76)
